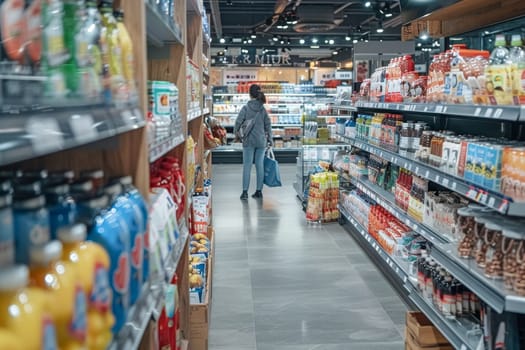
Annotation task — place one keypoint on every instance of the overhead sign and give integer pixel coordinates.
(263, 60)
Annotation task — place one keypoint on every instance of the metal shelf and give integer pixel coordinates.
(228, 148)
(161, 30)
(456, 331)
(507, 113)
(148, 305)
(194, 114)
(276, 94)
(32, 134)
(491, 199)
(445, 253)
(160, 148)
(397, 265)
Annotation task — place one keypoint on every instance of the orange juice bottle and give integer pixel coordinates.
(91, 263)
(126, 47)
(23, 312)
(67, 299)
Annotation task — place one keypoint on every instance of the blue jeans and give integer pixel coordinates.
(249, 154)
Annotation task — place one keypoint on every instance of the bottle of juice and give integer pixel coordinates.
(141, 213)
(112, 52)
(68, 302)
(129, 222)
(104, 228)
(126, 46)
(33, 34)
(32, 325)
(517, 60)
(93, 25)
(54, 52)
(91, 264)
(498, 74)
(12, 29)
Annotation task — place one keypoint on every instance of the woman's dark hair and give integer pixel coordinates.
(256, 93)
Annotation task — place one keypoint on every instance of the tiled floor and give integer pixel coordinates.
(282, 284)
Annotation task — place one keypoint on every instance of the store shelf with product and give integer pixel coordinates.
(161, 27)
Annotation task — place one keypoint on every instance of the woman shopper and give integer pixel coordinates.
(254, 129)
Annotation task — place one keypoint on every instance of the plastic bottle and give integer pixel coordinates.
(54, 52)
(32, 325)
(130, 222)
(93, 24)
(91, 264)
(104, 228)
(12, 29)
(126, 46)
(141, 213)
(61, 206)
(7, 235)
(68, 304)
(30, 218)
(111, 51)
(33, 33)
(498, 74)
(517, 59)
(81, 77)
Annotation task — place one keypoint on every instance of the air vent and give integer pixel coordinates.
(316, 18)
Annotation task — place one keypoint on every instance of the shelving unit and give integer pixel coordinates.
(443, 248)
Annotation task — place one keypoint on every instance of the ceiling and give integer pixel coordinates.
(327, 24)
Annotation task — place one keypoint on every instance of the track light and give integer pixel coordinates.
(331, 41)
(348, 38)
(388, 14)
(301, 41)
(253, 36)
(315, 40)
(250, 41)
(380, 29)
(222, 40)
(355, 41)
(335, 52)
(368, 4)
(275, 38)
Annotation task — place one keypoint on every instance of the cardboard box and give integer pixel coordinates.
(422, 333)
(412, 344)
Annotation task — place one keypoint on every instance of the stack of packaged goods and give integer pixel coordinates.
(93, 230)
(67, 52)
(167, 173)
(323, 197)
(164, 119)
(200, 246)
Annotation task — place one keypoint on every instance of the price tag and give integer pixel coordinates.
(391, 264)
(483, 198)
(417, 170)
(410, 166)
(471, 193)
(492, 201)
(445, 109)
(82, 127)
(128, 117)
(436, 179)
(454, 185)
(498, 113)
(397, 269)
(488, 113)
(445, 181)
(427, 174)
(477, 112)
(439, 109)
(45, 134)
(405, 165)
(381, 154)
(503, 206)
(407, 221)
(392, 159)
(404, 279)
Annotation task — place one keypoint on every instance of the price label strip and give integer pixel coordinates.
(45, 134)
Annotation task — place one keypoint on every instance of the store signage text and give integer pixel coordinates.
(257, 60)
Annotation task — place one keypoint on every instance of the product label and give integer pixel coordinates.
(49, 336)
(137, 252)
(169, 307)
(101, 294)
(34, 30)
(82, 50)
(121, 274)
(77, 327)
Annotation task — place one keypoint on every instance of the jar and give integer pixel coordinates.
(465, 224)
(424, 146)
(482, 245)
(519, 282)
(494, 255)
(404, 139)
(512, 239)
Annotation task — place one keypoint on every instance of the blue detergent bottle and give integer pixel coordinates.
(104, 228)
(126, 215)
(141, 213)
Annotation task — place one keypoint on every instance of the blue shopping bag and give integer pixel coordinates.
(272, 177)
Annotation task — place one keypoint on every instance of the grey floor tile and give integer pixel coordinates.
(283, 284)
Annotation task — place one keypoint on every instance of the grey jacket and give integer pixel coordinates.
(261, 133)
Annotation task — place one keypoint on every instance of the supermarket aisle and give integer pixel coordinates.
(281, 284)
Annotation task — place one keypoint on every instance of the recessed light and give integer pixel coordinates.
(275, 38)
(314, 46)
(253, 36)
(315, 40)
(222, 40)
(380, 30)
(368, 4)
(250, 41)
(335, 53)
(348, 38)
(301, 41)
(331, 41)
(355, 41)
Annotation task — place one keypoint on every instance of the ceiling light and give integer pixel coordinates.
(250, 41)
(355, 41)
(388, 14)
(380, 30)
(314, 46)
(314, 40)
(331, 41)
(253, 36)
(348, 38)
(419, 44)
(326, 41)
(282, 42)
(288, 42)
(222, 40)
(301, 41)
(335, 53)
(244, 41)
(275, 38)
(368, 4)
